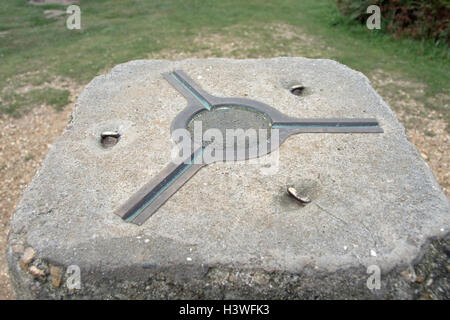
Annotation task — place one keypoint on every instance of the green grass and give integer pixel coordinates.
(34, 50)
(16, 104)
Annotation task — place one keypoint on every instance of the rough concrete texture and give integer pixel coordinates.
(231, 231)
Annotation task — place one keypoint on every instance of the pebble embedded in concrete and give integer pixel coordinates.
(36, 272)
(56, 275)
(27, 257)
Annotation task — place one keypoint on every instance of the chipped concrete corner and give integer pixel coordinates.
(231, 232)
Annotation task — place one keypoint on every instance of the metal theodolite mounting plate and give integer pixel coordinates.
(225, 113)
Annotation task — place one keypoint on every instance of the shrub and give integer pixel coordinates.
(426, 19)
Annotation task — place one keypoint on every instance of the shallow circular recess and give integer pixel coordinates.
(231, 117)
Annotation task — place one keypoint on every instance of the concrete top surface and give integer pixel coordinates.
(374, 199)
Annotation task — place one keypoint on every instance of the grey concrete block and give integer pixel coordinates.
(230, 231)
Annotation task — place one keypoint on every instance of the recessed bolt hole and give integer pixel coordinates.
(297, 90)
(109, 139)
(302, 198)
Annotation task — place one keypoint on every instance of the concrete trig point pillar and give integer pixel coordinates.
(231, 230)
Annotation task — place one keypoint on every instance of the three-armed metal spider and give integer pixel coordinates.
(225, 113)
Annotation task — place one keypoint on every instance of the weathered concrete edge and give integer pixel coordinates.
(225, 282)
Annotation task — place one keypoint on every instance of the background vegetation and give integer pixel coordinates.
(421, 19)
(37, 51)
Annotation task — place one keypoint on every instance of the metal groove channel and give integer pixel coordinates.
(161, 187)
(191, 90)
(339, 125)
